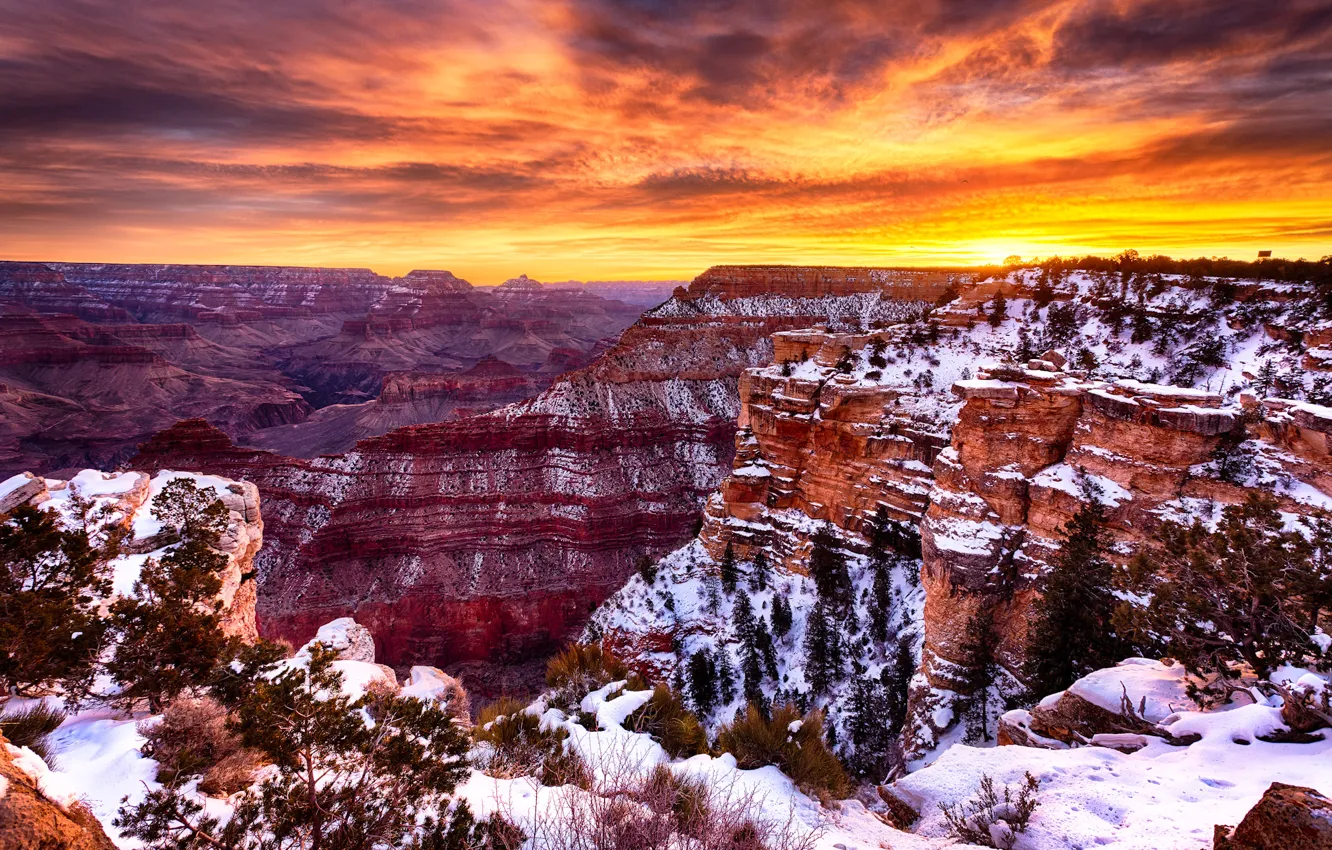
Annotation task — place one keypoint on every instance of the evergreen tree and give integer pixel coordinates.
(339, 783)
(729, 570)
(712, 600)
(760, 573)
(763, 644)
(827, 566)
(169, 634)
(822, 649)
(1072, 632)
(881, 596)
(751, 668)
(998, 310)
(897, 680)
(725, 677)
(51, 579)
(781, 616)
(1225, 599)
(742, 619)
(981, 679)
(870, 736)
(1266, 380)
(702, 682)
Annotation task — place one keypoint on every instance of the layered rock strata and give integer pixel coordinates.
(1030, 447)
(493, 537)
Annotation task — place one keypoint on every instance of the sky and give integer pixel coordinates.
(651, 139)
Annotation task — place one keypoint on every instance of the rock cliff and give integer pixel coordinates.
(493, 537)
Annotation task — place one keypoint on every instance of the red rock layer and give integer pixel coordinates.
(493, 537)
(1009, 483)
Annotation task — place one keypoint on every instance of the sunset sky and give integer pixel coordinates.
(649, 139)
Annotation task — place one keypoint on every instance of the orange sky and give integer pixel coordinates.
(649, 139)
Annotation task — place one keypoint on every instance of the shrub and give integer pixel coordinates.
(461, 831)
(519, 746)
(192, 739)
(580, 669)
(659, 810)
(791, 742)
(666, 719)
(987, 820)
(30, 726)
(336, 780)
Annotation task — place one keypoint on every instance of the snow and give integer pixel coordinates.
(1155, 688)
(1162, 797)
(9, 485)
(1068, 478)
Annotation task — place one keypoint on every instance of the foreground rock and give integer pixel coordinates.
(1288, 817)
(30, 820)
(127, 499)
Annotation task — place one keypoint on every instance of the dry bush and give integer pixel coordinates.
(990, 820)
(629, 808)
(30, 726)
(582, 668)
(803, 755)
(192, 739)
(674, 726)
(518, 746)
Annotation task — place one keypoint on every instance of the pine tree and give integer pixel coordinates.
(729, 570)
(169, 634)
(981, 679)
(827, 566)
(781, 616)
(1266, 380)
(50, 580)
(742, 619)
(703, 682)
(822, 649)
(1072, 632)
(998, 310)
(338, 782)
(760, 573)
(869, 735)
(725, 677)
(712, 591)
(763, 644)
(897, 681)
(1225, 599)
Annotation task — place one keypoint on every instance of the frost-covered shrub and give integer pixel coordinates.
(992, 820)
(580, 669)
(791, 742)
(513, 742)
(666, 719)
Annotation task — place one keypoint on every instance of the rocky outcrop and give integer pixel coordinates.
(493, 537)
(32, 820)
(1288, 817)
(1030, 447)
(127, 496)
(821, 444)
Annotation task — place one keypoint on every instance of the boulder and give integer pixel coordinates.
(1288, 817)
(29, 820)
(348, 638)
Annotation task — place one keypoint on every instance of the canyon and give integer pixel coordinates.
(491, 538)
(96, 358)
(936, 424)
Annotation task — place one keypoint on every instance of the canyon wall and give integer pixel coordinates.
(493, 537)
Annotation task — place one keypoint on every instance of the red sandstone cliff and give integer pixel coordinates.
(493, 537)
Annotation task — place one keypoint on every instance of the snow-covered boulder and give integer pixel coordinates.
(348, 638)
